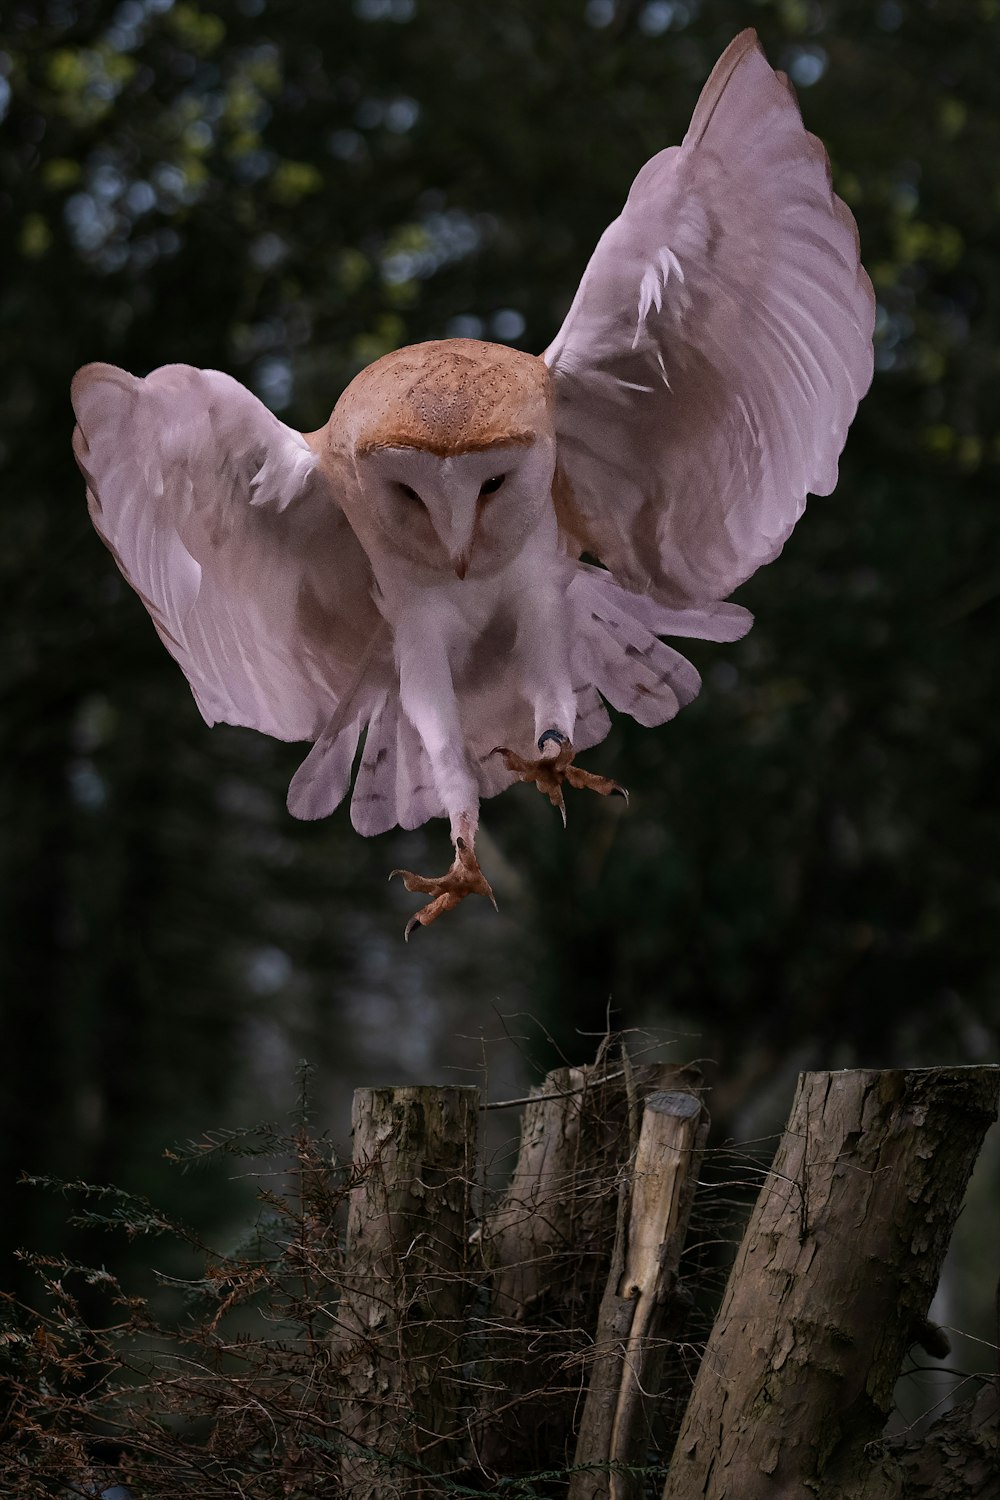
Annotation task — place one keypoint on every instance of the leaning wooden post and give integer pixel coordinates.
(655, 1207)
(831, 1286)
(547, 1247)
(405, 1285)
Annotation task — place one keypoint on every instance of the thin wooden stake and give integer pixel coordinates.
(654, 1211)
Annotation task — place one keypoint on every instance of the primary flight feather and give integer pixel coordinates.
(413, 572)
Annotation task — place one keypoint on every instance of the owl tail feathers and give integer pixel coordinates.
(618, 645)
(394, 782)
(322, 781)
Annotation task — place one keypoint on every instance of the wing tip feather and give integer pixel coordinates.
(742, 46)
(98, 372)
(87, 388)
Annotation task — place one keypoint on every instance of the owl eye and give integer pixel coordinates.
(409, 492)
(490, 486)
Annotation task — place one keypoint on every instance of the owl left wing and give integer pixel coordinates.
(718, 346)
(221, 519)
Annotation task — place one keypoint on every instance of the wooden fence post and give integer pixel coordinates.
(548, 1246)
(405, 1289)
(831, 1286)
(655, 1207)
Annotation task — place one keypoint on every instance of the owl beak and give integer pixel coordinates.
(459, 538)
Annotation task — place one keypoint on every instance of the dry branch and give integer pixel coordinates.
(835, 1274)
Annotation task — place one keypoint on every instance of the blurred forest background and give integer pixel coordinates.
(285, 189)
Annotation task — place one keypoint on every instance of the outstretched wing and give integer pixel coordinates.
(713, 359)
(221, 520)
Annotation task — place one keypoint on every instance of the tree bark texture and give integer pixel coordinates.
(548, 1246)
(834, 1276)
(402, 1310)
(959, 1458)
(639, 1299)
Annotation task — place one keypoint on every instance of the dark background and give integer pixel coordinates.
(806, 874)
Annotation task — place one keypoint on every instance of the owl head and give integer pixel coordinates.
(449, 450)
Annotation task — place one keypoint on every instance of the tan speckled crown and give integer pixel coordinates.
(447, 396)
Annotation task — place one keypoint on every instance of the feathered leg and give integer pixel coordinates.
(427, 696)
(544, 650)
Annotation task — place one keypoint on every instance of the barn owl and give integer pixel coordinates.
(415, 570)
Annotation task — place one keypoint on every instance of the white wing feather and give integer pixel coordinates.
(717, 348)
(220, 520)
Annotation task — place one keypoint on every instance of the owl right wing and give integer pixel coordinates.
(221, 519)
(718, 346)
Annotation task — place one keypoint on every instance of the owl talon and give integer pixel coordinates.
(588, 781)
(465, 878)
(551, 772)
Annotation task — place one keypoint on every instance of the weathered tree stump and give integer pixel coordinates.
(406, 1285)
(638, 1302)
(833, 1279)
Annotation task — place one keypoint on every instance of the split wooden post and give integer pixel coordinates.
(548, 1246)
(831, 1286)
(654, 1212)
(405, 1288)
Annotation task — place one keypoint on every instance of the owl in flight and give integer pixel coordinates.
(414, 570)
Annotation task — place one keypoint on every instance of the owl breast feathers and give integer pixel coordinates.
(413, 571)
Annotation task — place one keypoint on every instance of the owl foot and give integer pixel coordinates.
(465, 878)
(554, 768)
